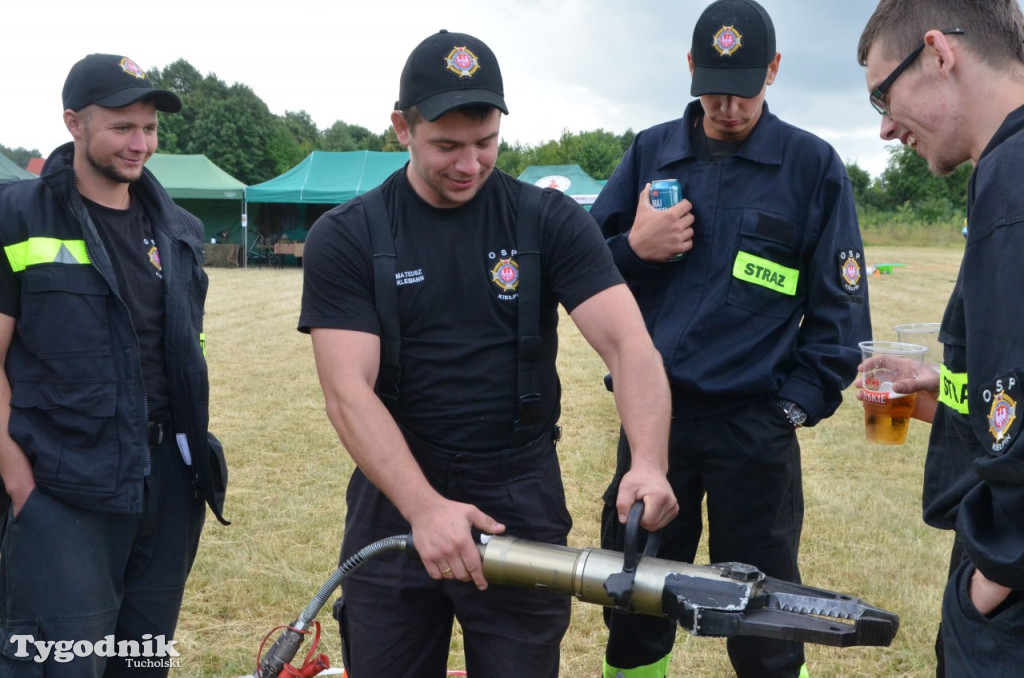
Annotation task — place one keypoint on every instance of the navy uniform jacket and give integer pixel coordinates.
(772, 298)
(78, 409)
(974, 474)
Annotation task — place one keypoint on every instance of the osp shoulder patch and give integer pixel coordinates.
(1002, 395)
(850, 271)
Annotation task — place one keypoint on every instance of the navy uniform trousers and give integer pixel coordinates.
(69, 574)
(747, 462)
(396, 621)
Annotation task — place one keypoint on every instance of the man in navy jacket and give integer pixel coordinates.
(757, 322)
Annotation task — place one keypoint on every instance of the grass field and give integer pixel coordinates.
(863, 532)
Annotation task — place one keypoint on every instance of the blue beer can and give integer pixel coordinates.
(664, 194)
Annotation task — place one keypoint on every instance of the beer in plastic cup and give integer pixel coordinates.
(886, 411)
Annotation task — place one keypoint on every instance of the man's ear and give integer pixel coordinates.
(937, 46)
(401, 125)
(73, 121)
(773, 69)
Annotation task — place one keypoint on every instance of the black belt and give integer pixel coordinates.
(158, 429)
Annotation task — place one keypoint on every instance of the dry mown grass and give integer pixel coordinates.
(863, 532)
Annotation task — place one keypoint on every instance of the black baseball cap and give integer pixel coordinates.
(733, 44)
(448, 71)
(113, 81)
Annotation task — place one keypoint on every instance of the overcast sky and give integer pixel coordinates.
(575, 65)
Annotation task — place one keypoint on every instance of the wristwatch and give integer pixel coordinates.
(794, 413)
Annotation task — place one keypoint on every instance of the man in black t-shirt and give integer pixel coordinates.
(444, 460)
(105, 454)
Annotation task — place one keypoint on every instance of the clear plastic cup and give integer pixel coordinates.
(887, 411)
(925, 334)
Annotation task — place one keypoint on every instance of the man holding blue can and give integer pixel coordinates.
(758, 324)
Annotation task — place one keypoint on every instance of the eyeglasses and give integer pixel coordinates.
(878, 94)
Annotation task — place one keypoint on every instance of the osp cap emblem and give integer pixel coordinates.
(505, 274)
(727, 40)
(462, 62)
(132, 68)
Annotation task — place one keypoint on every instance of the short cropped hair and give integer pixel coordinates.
(993, 29)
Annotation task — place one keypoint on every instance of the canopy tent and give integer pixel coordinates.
(197, 184)
(570, 179)
(9, 171)
(293, 201)
(331, 178)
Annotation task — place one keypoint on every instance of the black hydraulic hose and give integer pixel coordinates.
(353, 563)
(287, 645)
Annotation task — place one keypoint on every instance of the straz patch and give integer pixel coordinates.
(462, 62)
(1002, 396)
(850, 270)
(132, 68)
(727, 40)
(505, 274)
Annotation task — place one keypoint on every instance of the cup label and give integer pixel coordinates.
(877, 397)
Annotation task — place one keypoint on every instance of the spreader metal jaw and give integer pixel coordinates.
(747, 603)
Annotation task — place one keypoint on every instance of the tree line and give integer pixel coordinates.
(236, 130)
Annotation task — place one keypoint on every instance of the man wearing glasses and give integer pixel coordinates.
(959, 96)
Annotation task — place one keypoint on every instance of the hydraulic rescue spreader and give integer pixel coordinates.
(721, 600)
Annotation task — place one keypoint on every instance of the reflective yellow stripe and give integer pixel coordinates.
(803, 672)
(765, 273)
(658, 669)
(202, 342)
(45, 251)
(953, 390)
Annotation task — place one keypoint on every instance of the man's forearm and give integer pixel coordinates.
(373, 439)
(645, 407)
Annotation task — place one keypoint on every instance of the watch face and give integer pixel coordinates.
(796, 415)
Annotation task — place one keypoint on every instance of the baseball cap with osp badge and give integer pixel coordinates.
(448, 71)
(733, 45)
(113, 81)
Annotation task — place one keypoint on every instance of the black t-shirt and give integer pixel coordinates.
(457, 294)
(128, 237)
(709, 149)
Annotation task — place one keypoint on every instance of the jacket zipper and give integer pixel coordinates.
(131, 324)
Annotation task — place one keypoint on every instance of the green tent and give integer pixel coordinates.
(205, 190)
(9, 171)
(289, 204)
(570, 179)
(331, 178)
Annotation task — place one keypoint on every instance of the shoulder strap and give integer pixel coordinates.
(529, 341)
(385, 294)
(528, 253)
